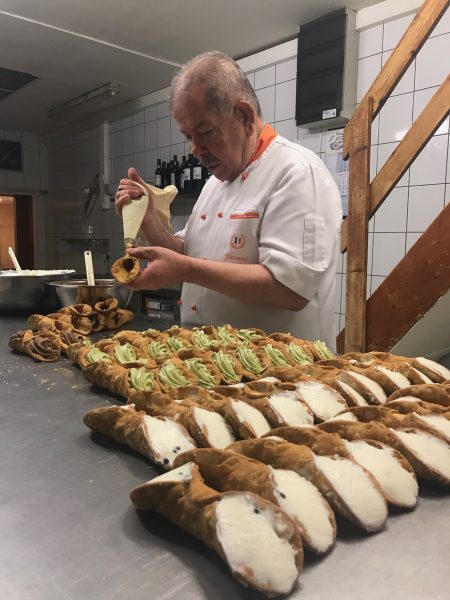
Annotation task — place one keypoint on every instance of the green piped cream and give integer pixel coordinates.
(205, 379)
(226, 366)
(322, 350)
(226, 336)
(172, 377)
(298, 354)
(176, 343)
(157, 350)
(141, 379)
(96, 355)
(248, 335)
(276, 356)
(249, 360)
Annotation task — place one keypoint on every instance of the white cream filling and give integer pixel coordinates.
(167, 439)
(434, 366)
(398, 378)
(183, 473)
(236, 386)
(250, 416)
(214, 427)
(424, 377)
(439, 422)
(290, 409)
(357, 398)
(253, 543)
(429, 449)
(356, 490)
(270, 379)
(372, 385)
(406, 398)
(398, 483)
(302, 501)
(323, 401)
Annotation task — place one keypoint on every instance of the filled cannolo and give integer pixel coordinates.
(42, 346)
(432, 392)
(118, 317)
(208, 428)
(71, 337)
(349, 488)
(433, 370)
(173, 373)
(226, 471)
(159, 439)
(121, 380)
(230, 368)
(428, 454)
(258, 542)
(324, 401)
(125, 269)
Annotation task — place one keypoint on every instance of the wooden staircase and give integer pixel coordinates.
(423, 275)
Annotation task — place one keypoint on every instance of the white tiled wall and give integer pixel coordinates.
(139, 139)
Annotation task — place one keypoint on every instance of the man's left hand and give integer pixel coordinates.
(164, 268)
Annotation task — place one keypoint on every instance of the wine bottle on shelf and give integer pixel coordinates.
(188, 174)
(181, 173)
(196, 176)
(174, 172)
(163, 174)
(158, 173)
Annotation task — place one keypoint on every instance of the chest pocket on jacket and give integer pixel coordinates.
(314, 242)
(242, 226)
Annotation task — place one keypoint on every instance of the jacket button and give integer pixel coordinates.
(194, 307)
(244, 176)
(220, 215)
(179, 302)
(203, 216)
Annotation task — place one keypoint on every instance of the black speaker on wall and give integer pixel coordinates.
(327, 63)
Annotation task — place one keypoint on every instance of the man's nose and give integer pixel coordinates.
(197, 148)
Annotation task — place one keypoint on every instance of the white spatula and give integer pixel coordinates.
(14, 259)
(89, 267)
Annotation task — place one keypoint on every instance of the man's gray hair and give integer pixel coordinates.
(224, 81)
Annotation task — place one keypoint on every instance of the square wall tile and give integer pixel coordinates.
(406, 83)
(376, 281)
(115, 141)
(264, 77)
(151, 135)
(368, 69)
(150, 164)
(127, 122)
(266, 97)
(164, 132)
(370, 41)
(411, 239)
(384, 152)
(425, 203)
(115, 126)
(30, 141)
(116, 169)
(163, 109)
(421, 99)
(286, 70)
(139, 138)
(287, 129)
(443, 26)
(391, 216)
(127, 141)
(176, 137)
(15, 179)
(388, 250)
(430, 165)
(139, 163)
(285, 100)
(393, 31)
(31, 161)
(373, 161)
(432, 62)
(338, 293)
(251, 78)
(395, 118)
(177, 150)
(138, 118)
(150, 113)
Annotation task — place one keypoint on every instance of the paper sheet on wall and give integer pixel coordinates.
(336, 165)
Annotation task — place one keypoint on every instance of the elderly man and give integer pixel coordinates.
(260, 248)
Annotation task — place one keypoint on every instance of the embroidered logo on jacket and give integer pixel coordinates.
(237, 241)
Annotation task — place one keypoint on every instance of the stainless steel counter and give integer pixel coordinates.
(68, 529)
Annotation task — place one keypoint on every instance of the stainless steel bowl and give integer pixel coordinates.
(27, 291)
(76, 291)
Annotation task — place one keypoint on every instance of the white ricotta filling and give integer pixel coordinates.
(236, 386)
(251, 417)
(398, 483)
(398, 378)
(214, 427)
(424, 377)
(183, 473)
(253, 541)
(167, 439)
(269, 379)
(373, 386)
(322, 400)
(347, 416)
(434, 366)
(438, 422)
(290, 409)
(302, 501)
(431, 450)
(356, 490)
(357, 398)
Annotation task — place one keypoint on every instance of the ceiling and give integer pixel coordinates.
(74, 47)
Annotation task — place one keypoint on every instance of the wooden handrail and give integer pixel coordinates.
(406, 152)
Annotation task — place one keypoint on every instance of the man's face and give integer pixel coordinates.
(220, 143)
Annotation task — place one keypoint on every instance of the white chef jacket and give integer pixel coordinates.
(283, 212)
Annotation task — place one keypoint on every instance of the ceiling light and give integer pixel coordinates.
(109, 89)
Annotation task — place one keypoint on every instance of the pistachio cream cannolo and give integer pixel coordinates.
(258, 542)
(350, 489)
(159, 439)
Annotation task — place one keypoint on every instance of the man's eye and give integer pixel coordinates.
(207, 132)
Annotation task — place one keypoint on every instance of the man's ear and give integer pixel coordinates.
(245, 112)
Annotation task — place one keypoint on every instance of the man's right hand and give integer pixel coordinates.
(128, 191)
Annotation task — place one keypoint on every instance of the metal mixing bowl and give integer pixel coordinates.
(27, 291)
(76, 291)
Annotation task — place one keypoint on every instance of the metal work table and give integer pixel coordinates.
(69, 530)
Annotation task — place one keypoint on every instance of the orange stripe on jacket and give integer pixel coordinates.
(265, 137)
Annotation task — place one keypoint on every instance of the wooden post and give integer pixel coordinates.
(358, 223)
